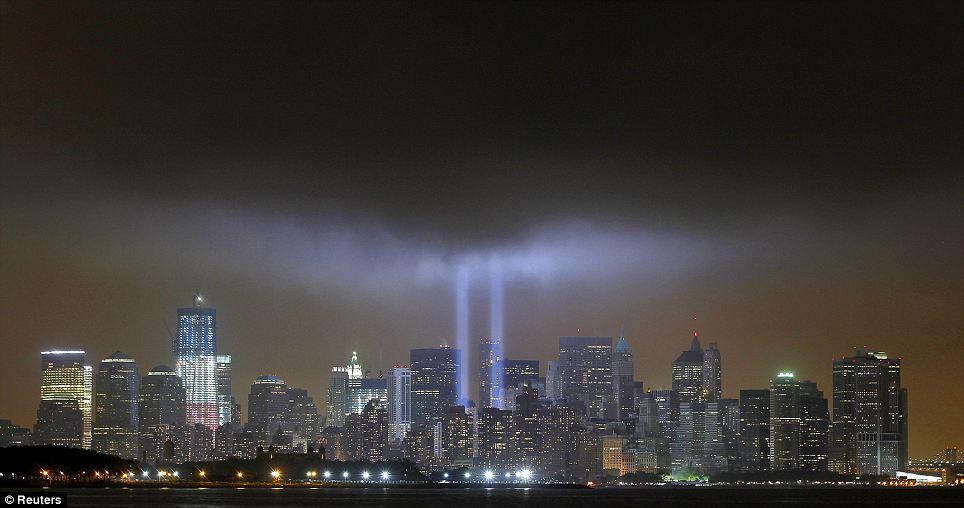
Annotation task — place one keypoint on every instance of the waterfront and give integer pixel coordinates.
(528, 497)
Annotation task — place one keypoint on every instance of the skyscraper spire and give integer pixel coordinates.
(695, 345)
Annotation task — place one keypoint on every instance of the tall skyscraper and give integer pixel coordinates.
(784, 423)
(355, 372)
(337, 397)
(60, 422)
(301, 420)
(515, 374)
(814, 428)
(65, 377)
(586, 372)
(225, 398)
(374, 431)
(688, 373)
(195, 351)
(267, 408)
(495, 433)
(489, 362)
(434, 382)
(712, 373)
(553, 381)
(399, 402)
(755, 430)
(161, 409)
(454, 438)
(367, 389)
(869, 430)
(623, 373)
(115, 407)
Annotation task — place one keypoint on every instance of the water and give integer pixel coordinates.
(507, 498)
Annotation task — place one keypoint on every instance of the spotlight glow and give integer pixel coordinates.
(488, 475)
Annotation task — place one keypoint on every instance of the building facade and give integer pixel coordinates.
(195, 352)
(435, 383)
(586, 372)
(64, 376)
(115, 429)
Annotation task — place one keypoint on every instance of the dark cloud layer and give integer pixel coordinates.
(791, 173)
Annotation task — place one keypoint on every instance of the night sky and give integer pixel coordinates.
(789, 173)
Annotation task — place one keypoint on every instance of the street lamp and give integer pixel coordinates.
(275, 474)
(385, 475)
(488, 475)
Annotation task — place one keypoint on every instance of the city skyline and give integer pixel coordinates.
(338, 177)
(360, 373)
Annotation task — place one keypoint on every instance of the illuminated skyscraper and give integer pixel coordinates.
(374, 431)
(623, 378)
(65, 377)
(195, 351)
(399, 402)
(267, 408)
(489, 362)
(225, 399)
(553, 380)
(115, 407)
(434, 382)
(814, 427)
(161, 410)
(495, 433)
(586, 372)
(368, 389)
(712, 374)
(688, 373)
(869, 431)
(355, 372)
(337, 397)
(755, 430)
(784, 423)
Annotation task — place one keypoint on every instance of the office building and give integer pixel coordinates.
(784, 423)
(337, 406)
(225, 397)
(586, 373)
(712, 373)
(495, 437)
(399, 402)
(115, 430)
(490, 362)
(195, 351)
(434, 382)
(869, 428)
(60, 422)
(373, 439)
(623, 382)
(161, 412)
(688, 373)
(814, 428)
(754, 430)
(365, 390)
(64, 376)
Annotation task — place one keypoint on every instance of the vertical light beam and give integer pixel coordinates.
(496, 328)
(462, 330)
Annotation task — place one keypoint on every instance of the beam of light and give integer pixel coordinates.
(462, 330)
(496, 327)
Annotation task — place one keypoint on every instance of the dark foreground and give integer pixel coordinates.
(503, 498)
